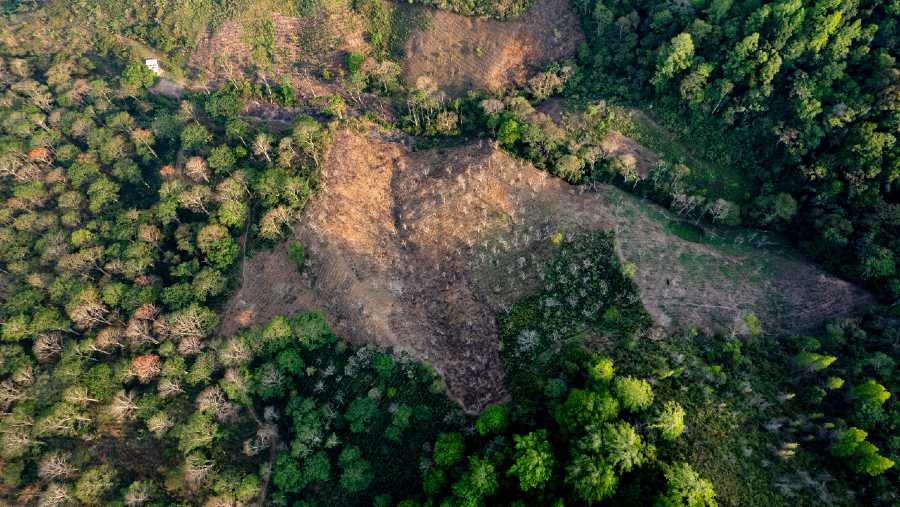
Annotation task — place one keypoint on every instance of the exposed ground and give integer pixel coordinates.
(303, 48)
(419, 250)
(458, 53)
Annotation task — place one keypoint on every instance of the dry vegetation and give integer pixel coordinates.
(303, 47)
(419, 250)
(458, 53)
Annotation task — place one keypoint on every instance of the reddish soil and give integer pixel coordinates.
(458, 53)
(418, 251)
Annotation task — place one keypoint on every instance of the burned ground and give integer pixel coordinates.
(419, 251)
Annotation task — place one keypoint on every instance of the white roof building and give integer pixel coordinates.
(153, 64)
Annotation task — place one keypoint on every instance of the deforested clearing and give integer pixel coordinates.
(457, 53)
(419, 251)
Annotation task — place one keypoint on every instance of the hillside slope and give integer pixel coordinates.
(420, 250)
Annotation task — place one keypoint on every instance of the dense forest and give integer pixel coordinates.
(800, 98)
(128, 215)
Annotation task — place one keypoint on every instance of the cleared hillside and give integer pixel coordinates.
(458, 53)
(420, 250)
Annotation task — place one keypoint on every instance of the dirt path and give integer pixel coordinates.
(419, 250)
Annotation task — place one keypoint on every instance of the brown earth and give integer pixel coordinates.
(420, 250)
(458, 53)
(304, 47)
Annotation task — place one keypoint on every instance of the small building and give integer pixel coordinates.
(153, 64)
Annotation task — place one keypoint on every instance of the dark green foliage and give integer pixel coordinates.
(356, 473)
(785, 93)
(360, 413)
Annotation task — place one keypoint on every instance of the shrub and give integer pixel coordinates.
(297, 254)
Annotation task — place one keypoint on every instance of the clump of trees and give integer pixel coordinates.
(583, 446)
(124, 217)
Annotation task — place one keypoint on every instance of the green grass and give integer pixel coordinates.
(686, 231)
(389, 24)
(711, 179)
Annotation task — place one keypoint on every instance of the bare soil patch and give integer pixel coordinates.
(419, 251)
(458, 53)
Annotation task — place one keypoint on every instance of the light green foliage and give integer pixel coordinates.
(686, 488)
(493, 420)
(297, 254)
(622, 446)
(137, 77)
(479, 481)
(862, 456)
(95, 484)
(584, 408)
(592, 478)
(871, 393)
(670, 421)
(449, 449)
(603, 371)
(673, 58)
(198, 432)
(195, 136)
(335, 107)
(811, 361)
(508, 133)
(570, 168)
(634, 394)
(848, 441)
(834, 383)
(533, 461)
